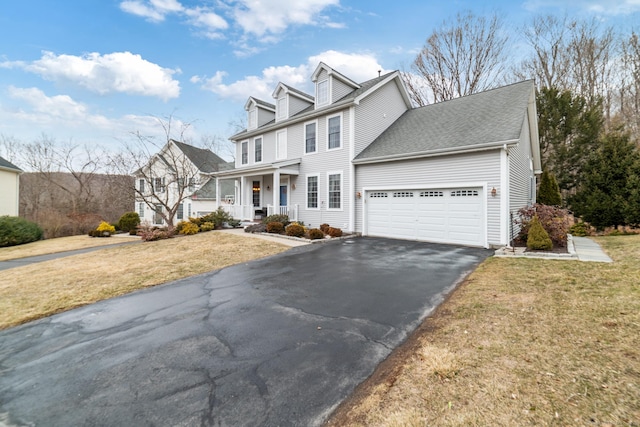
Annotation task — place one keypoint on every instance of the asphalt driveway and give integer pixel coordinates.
(280, 341)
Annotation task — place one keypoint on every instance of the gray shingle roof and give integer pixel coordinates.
(488, 117)
(208, 190)
(6, 164)
(205, 160)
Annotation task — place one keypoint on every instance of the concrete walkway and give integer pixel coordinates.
(578, 249)
(588, 250)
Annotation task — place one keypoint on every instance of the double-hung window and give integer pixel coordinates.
(245, 152)
(252, 119)
(335, 190)
(158, 185)
(257, 150)
(282, 108)
(141, 186)
(322, 97)
(281, 144)
(310, 137)
(334, 132)
(312, 191)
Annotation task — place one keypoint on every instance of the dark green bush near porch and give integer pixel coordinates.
(17, 231)
(128, 221)
(283, 219)
(538, 239)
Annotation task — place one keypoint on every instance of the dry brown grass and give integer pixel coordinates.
(521, 342)
(42, 289)
(59, 244)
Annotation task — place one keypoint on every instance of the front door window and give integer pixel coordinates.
(283, 195)
(256, 193)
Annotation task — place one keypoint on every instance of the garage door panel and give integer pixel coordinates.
(446, 216)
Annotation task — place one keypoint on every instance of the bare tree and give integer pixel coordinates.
(218, 145)
(164, 174)
(9, 148)
(460, 58)
(628, 97)
(548, 36)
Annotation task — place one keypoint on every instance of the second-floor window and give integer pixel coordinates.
(192, 184)
(141, 186)
(334, 132)
(245, 152)
(281, 144)
(257, 145)
(310, 138)
(158, 185)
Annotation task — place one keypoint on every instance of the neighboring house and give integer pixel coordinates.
(9, 188)
(179, 178)
(359, 157)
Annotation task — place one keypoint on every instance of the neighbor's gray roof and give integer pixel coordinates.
(205, 160)
(488, 117)
(5, 164)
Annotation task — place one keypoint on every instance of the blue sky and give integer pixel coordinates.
(93, 71)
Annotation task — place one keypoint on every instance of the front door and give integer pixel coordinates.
(283, 195)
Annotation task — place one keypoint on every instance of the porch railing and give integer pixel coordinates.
(290, 211)
(240, 212)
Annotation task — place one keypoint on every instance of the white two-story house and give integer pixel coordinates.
(176, 184)
(358, 156)
(9, 188)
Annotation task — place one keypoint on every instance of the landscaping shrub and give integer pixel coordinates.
(324, 228)
(315, 234)
(580, 229)
(294, 230)
(334, 232)
(17, 231)
(553, 219)
(538, 239)
(283, 219)
(180, 225)
(149, 234)
(549, 192)
(217, 218)
(129, 221)
(256, 228)
(105, 229)
(275, 227)
(196, 221)
(188, 228)
(207, 226)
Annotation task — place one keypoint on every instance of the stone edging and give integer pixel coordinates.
(300, 239)
(519, 252)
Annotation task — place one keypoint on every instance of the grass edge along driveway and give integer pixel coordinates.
(39, 290)
(520, 342)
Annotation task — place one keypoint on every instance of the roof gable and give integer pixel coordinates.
(331, 72)
(258, 103)
(488, 118)
(7, 165)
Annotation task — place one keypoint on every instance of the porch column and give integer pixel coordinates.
(217, 193)
(276, 191)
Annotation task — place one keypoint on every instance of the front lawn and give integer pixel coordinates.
(42, 289)
(521, 342)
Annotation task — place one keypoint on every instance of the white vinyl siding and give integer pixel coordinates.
(297, 104)
(482, 167)
(265, 116)
(521, 180)
(281, 144)
(376, 113)
(334, 132)
(339, 89)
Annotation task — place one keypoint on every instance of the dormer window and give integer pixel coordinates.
(282, 107)
(322, 95)
(252, 119)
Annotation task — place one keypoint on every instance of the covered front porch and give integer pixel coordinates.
(261, 191)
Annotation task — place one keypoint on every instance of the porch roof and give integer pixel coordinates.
(286, 167)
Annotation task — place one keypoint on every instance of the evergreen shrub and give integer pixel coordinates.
(17, 231)
(538, 239)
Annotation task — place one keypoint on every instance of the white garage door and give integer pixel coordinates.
(441, 215)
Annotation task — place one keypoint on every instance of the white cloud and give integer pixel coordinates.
(59, 110)
(204, 18)
(115, 72)
(357, 66)
(600, 7)
(259, 17)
